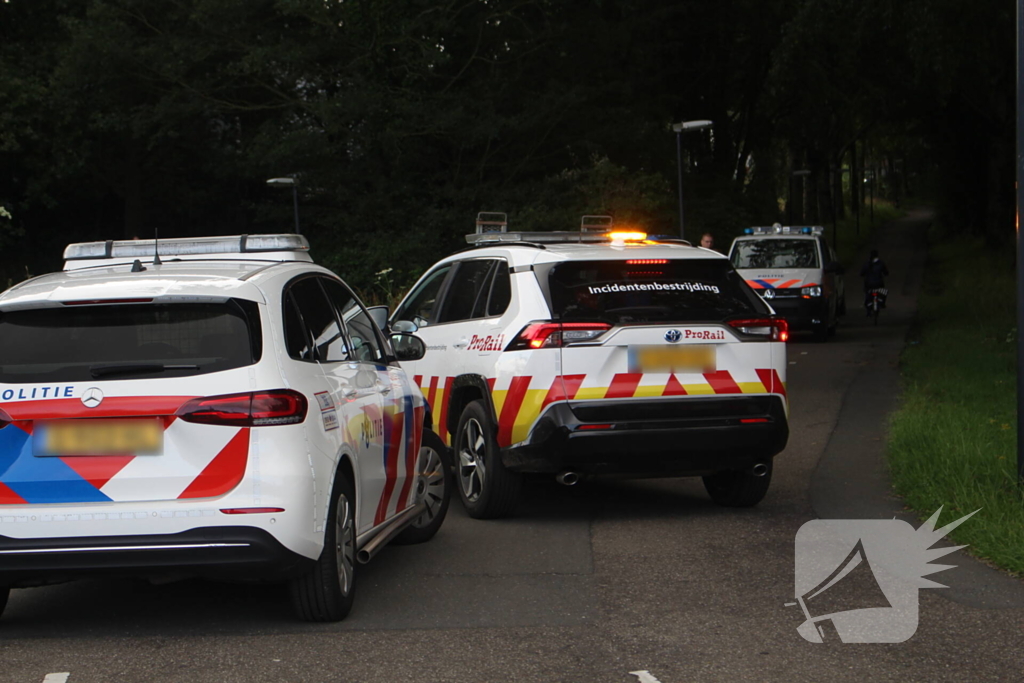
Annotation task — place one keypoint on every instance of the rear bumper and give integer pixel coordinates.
(236, 553)
(668, 437)
(802, 314)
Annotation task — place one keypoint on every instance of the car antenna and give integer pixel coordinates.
(156, 247)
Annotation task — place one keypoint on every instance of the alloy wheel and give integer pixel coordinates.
(472, 468)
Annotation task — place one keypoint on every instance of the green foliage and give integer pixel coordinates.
(404, 118)
(953, 441)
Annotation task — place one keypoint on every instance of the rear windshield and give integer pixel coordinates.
(127, 341)
(651, 290)
(775, 253)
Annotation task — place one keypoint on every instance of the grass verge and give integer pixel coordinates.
(952, 442)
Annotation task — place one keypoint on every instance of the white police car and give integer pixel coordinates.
(226, 410)
(796, 271)
(588, 353)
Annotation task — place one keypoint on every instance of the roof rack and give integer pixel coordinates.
(492, 228)
(280, 247)
(779, 229)
(536, 238)
(491, 221)
(599, 224)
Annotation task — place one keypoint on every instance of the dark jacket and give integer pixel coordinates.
(874, 273)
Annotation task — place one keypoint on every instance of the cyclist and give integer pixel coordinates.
(873, 272)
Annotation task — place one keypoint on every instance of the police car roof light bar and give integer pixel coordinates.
(785, 230)
(491, 222)
(189, 246)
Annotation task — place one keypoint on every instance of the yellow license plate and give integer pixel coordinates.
(688, 358)
(99, 437)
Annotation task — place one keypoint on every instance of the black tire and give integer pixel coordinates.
(738, 489)
(326, 592)
(434, 488)
(874, 307)
(487, 489)
(5, 593)
(842, 305)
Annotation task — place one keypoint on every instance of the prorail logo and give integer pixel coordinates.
(492, 342)
(704, 334)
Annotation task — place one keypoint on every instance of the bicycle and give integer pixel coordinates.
(876, 302)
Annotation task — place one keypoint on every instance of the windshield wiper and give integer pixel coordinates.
(135, 368)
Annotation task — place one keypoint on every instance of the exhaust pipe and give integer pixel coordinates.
(759, 470)
(567, 478)
(396, 527)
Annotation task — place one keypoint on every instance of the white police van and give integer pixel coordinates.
(796, 271)
(214, 407)
(597, 352)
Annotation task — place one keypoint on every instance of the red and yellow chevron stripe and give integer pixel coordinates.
(520, 404)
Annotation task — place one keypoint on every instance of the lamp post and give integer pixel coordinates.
(796, 174)
(1020, 243)
(294, 184)
(681, 128)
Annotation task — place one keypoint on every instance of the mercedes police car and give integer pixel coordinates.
(597, 352)
(214, 407)
(797, 272)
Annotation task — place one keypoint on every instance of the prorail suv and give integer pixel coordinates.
(597, 352)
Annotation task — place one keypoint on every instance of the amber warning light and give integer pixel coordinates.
(627, 236)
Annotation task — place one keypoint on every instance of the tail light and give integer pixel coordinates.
(775, 329)
(251, 409)
(546, 335)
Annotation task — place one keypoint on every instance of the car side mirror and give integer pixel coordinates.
(404, 326)
(379, 315)
(408, 346)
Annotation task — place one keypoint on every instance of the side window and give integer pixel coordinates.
(421, 304)
(501, 290)
(295, 337)
(361, 330)
(480, 307)
(467, 285)
(320, 322)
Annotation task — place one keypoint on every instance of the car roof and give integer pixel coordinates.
(169, 280)
(570, 251)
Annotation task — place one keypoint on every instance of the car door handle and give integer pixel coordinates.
(384, 388)
(349, 392)
(461, 344)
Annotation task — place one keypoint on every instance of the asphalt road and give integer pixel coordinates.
(587, 583)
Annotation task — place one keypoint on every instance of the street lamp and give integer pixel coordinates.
(294, 184)
(681, 128)
(796, 174)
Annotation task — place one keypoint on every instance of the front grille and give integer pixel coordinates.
(788, 293)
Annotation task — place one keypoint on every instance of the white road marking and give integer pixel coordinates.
(57, 678)
(644, 676)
